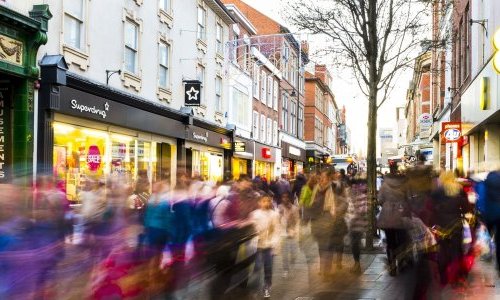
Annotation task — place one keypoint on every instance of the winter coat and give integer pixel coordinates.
(393, 199)
(358, 209)
(305, 198)
(493, 186)
(446, 211)
(268, 227)
(289, 218)
(339, 211)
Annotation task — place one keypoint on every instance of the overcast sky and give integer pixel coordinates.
(345, 88)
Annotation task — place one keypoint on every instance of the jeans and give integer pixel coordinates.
(265, 257)
(356, 245)
(288, 252)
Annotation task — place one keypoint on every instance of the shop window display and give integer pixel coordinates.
(82, 152)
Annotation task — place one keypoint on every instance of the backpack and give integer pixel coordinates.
(488, 209)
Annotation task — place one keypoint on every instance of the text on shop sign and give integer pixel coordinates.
(200, 137)
(93, 110)
(2, 137)
(94, 158)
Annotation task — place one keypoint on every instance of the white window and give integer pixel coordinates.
(263, 128)
(284, 113)
(300, 134)
(256, 81)
(164, 5)
(275, 133)
(239, 109)
(218, 93)
(74, 23)
(202, 23)
(275, 95)
(131, 46)
(164, 69)
(293, 117)
(269, 128)
(270, 91)
(263, 85)
(218, 38)
(256, 125)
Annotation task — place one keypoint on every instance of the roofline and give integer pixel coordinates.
(241, 19)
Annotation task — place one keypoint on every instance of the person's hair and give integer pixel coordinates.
(449, 183)
(313, 180)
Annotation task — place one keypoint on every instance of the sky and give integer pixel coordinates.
(345, 88)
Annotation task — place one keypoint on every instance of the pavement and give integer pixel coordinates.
(303, 281)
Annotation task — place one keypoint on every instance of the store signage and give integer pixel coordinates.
(199, 137)
(294, 151)
(496, 55)
(425, 121)
(266, 153)
(94, 158)
(451, 131)
(90, 109)
(239, 147)
(3, 137)
(11, 50)
(484, 99)
(192, 93)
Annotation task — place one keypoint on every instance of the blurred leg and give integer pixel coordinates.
(268, 266)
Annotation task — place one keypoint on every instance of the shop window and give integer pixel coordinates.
(80, 153)
(270, 91)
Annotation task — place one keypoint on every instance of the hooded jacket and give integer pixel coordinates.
(393, 199)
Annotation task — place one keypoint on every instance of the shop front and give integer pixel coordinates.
(243, 155)
(318, 161)
(265, 160)
(207, 153)
(20, 38)
(89, 131)
(293, 159)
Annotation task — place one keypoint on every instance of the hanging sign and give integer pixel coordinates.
(451, 131)
(192, 93)
(425, 121)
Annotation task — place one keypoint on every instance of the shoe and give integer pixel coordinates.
(356, 269)
(285, 274)
(267, 293)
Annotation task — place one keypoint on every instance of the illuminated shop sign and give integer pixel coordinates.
(199, 137)
(266, 153)
(94, 158)
(239, 147)
(90, 109)
(451, 131)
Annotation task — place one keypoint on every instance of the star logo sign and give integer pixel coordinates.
(193, 94)
(106, 106)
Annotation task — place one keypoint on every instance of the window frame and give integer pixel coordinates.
(201, 76)
(132, 22)
(284, 113)
(263, 128)
(82, 26)
(201, 29)
(263, 86)
(269, 96)
(255, 125)
(219, 40)
(275, 94)
(218, 94)
(300, 120)
(275, 133)
(167, 45)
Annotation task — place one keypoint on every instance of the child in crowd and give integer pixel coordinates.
(289, 218)
(266, 222)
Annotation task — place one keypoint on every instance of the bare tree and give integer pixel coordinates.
(376, 39)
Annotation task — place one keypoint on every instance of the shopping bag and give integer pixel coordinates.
(467, 237)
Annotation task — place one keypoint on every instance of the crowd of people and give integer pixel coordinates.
(153, 239)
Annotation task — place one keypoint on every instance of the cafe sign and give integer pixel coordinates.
(451, 131)
(239, 147)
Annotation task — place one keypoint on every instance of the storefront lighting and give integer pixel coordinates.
(121, 138)
(95, 133)
(496, 56)
(62, 128)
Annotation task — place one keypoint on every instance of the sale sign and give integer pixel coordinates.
(451, 132)
(94, 158)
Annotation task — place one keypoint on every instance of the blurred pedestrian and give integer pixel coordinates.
(266, 222)
(358, 219)
(448, 205)
(300, 181)
(322, 220)
(289, 219)
(341, 191)
(393, 199)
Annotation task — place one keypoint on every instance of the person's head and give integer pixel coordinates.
(265, 202)
(449, 183)
(244, 182)
(313, 180)
(183, 180)
(342, 173)
(286, 198)
(325, 178)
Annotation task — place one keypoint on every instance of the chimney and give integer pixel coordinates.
(321, 72)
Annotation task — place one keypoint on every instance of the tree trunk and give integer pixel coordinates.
(371, 161)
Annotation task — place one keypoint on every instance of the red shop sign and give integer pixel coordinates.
(451, 131)
(94, 158)
(266, 153)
